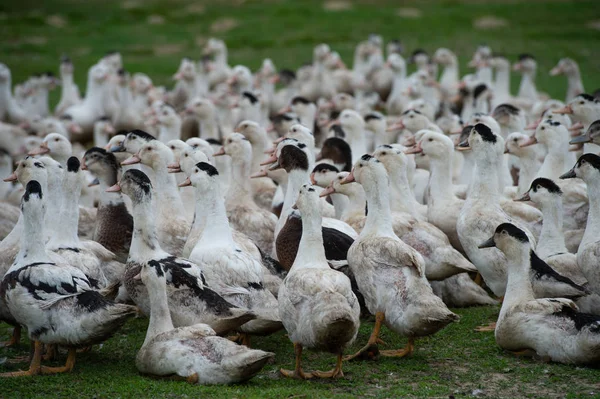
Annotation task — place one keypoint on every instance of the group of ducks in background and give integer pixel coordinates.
(309, 208)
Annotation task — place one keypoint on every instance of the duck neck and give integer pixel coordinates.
(160, 317)
(592, 229)
(5, 188)
(209, 128)
(404, 197)
(240, 188)
(107, 179)
(440, 178)
(259, 145)
(379, 218)
(340, 204)
(449, 77)
(529, 167)
(66, 236)
(575, 85)
(518, 287)
(167, 192)
(216, 224)
(551, 238)
(485, 75)
(296, 178)
(357, 201)
(311, 252)
(68, 84)
(527, 88)
(484, 183)
(356, 141)
(33, 238)
(556, 161)
(170, 132)
(144, 240)
(502, 84)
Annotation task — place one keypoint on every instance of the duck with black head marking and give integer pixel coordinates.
(553, 329)
(54, 301)
(190, 300)
(233, 273)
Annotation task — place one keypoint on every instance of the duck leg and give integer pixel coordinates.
(370, 350)
(298, 373)
(64, 369)
(335, 373)
(407, 350)
(14, 339)
(35, 366)
(51, 352)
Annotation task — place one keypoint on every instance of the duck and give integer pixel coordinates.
(231, 272)
(263, 189)
(55, 302)
(126, 116)
(588, 169)
(376, 270)
(552, 328)
(219, 70)
(592, 135)
(569, 68)
(93, 259)
(316, 304)
(173, 226)
(460, 291)
(338, 152)
(551, 247)
(69, 91)
(10, 110)
(243, 213)
(528, 158)
(450, 75)
(323, 174)
(193, 353)
(205, 112)
(191, 300)
(338, 236)
(169, 124)
(527, 66)
(501, 65)
(103, 128)
(186, 87)
(583, 109)
(114, 223)
(396, 102)
(482, 210)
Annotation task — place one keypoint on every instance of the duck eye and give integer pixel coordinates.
(430, 139)
(515, 140)
(537, 187)
(186, 155)
(543, 128)
(581, 102)
(230, 141)
(55, 139)
(384, 153)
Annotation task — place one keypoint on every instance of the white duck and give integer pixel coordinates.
(569, 68)
(69, 90)
(316, 304)
(381, 263)
(234, 274)
(195, 353)
(243, 213)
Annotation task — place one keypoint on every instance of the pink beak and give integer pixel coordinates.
(269, 161)
(566, 110)
(114, 189)
(270, 128)
(524, 197)
(76, 129)
(533, 125)
(220, 152)
(530, 141)
(396, 126)
(43, 149)
(328, 190)
(256, 175)
(279, 140)
(576, 127)
(109, 129)
(11, 178)
(555, 71)
(132, 160)
(186, 183)
(349, 178)
(414, 149)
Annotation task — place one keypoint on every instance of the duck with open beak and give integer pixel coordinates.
(42, 149)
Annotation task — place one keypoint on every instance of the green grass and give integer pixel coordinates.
(456, 361)
(286, 31)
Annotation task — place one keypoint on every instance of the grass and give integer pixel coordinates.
(35, 34)
(455, 362)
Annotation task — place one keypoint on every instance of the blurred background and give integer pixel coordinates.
(153, 36)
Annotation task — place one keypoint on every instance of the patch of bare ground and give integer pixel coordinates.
(337, 5)
(223, 25)
(489, 22)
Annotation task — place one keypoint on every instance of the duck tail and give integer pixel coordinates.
(335, 319)
(246, 364)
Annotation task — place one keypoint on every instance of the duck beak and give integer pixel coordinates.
(186, 183)
(394, 127)
(295, 206)
(220, 152)
(581, 139)
(132, 160)
(275, 166)
(83, 166)
(569, 175)
(43, 149)
(174, 167)
(349, 179)
(576, 127)
(416, 149)
(11, 178)
(524, 197)
(137, 276)
(117, 148)
(506, 150)
(269, 161)
(256, 175)
(566, 110)
(114, 189)
(530, 141)
(94, 182)
(556, 71)
(328, 190)
(490, 243)
(533, 125)
(312, 179)
(464, 146)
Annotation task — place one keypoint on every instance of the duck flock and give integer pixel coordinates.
(318, 199)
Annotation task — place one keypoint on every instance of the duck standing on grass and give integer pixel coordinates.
(316, 304)
(54, 301)
(389, 273)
